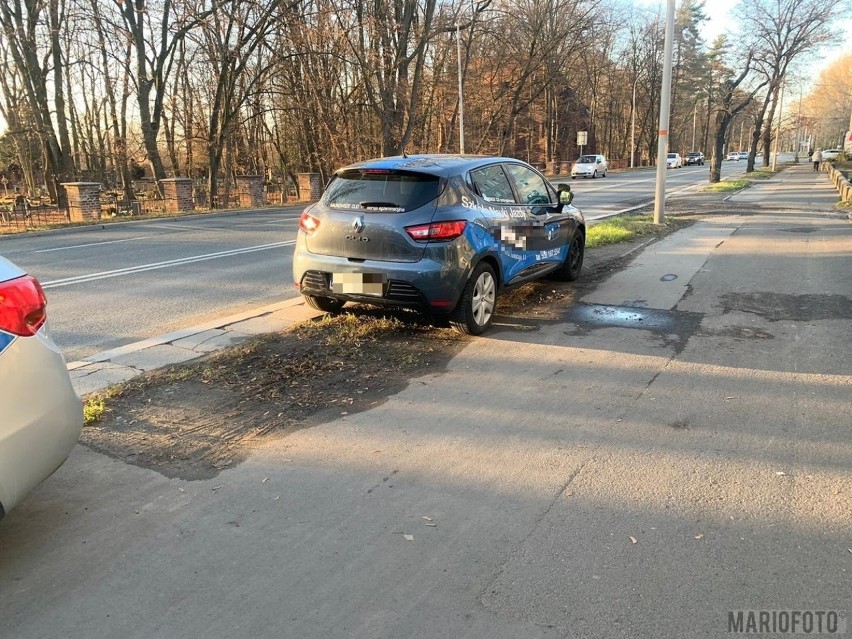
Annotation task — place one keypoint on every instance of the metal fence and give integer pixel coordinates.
(23, 215)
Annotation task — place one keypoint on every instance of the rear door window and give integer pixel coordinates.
(381, 190)
(492, 185)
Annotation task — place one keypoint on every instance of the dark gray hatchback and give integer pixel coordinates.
(440, 233)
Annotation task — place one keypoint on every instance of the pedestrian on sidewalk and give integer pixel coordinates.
(817, 158)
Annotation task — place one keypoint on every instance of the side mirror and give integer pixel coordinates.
(565, 194)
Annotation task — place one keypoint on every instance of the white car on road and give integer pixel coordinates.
(674, 161)
(590, 166)
(41, 414)
(734, 155)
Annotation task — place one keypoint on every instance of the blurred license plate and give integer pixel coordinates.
(358, 283)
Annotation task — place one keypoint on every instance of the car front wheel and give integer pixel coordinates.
(327, 304)
(573, 264)
(594, 174)
(475, 310)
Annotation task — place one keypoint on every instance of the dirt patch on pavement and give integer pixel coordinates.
(193, 420)
(776, 307)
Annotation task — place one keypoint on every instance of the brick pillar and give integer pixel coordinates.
(178, 194)
(84, 200)
(250, 190)
(310, 186)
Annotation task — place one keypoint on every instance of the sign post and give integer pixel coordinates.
(582, 140)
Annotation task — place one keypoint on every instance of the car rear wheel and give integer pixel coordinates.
(573, 264)
(475, 310)
(327, 304)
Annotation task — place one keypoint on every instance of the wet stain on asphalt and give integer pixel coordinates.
(801, 229)
(782, 306)
(675, 327)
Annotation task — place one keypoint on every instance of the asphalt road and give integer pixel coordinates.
(674, 447)
(113, 285)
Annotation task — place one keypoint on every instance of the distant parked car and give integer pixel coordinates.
(694, 157)
(590, 166)
(674, 161)
(41, 414)
(830, 154)
(444, 234)
(734, 155)
(743, 155)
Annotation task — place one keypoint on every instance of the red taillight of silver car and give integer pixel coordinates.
(22, 306)
(308, 223)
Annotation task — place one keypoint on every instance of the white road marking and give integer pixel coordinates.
(295, 218)
(67, 248)
(635, 207)
(81, 279)
(626, 183)
(182, 227)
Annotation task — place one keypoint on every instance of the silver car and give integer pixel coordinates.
(41, 414)
(440, 233)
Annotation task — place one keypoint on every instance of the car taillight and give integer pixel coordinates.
(308, 223)
(22, 306)
(436, 231)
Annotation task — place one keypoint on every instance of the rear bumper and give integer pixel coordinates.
(41, 427)
(431, 285)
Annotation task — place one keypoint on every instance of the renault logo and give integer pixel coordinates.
(358, 224)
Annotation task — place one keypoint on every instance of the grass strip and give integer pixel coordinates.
(624, 229)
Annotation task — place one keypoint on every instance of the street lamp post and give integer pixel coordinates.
(798, 127)
(633, 123)
(694, 113)
(461, 89)
(665, 105)
(778, 128)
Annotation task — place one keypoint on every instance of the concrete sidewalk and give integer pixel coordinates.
(797, 187)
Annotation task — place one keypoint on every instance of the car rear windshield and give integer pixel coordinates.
(381, 190)
(587, 159)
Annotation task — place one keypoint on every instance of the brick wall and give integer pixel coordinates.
(178, 194)
(310, 186)
(84, 200)
(250, 190)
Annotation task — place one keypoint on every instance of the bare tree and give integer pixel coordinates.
(783, 31)
(32, 32)
(730, 101)
(154, 38)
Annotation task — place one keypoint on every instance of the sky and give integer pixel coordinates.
(719, 13)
